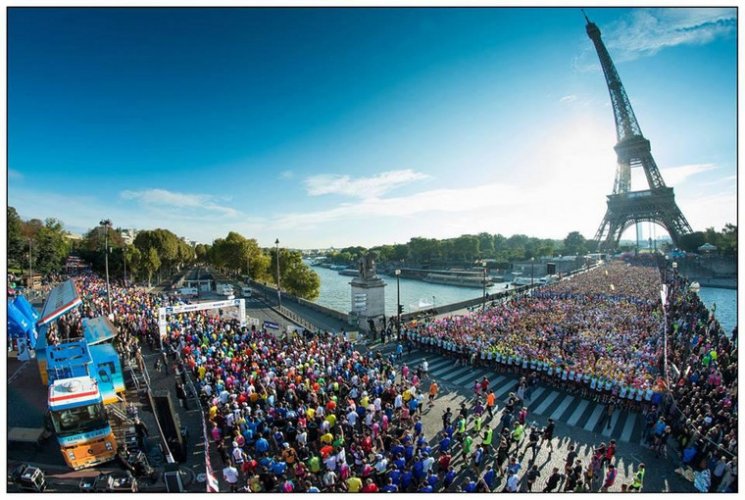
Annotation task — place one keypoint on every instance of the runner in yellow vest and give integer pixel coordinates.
(638, 481)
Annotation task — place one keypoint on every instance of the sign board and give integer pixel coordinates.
(61, 299)
(271, 324)
(163, 312)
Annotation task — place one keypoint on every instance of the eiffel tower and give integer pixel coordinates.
(626, 207)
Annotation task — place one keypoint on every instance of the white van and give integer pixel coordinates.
(188, 292)
(246, 292)
(225, 289)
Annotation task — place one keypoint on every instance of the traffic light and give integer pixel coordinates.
(400, 309)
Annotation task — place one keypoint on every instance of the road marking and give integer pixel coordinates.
(476, 375)
(536, 394)
(455, 373)
(628, 427)
(550, 399)
(613, 419)
(439, 363)
(493, 383)
(506, 388)
(17, 373)
(594, 418)
(563, 406)
(578, 412)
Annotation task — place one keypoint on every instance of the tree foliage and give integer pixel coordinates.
(725, 240)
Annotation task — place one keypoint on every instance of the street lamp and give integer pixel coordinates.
(532, 260)
(398, 302)
(106, 223)
(483, 303)
(30, 282)
(279, 293)
(663, 295)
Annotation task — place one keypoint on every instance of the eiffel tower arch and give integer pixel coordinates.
(633, 150)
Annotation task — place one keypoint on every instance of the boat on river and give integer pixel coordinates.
(465, 279)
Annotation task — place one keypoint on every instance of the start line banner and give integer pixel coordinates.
(163, 312)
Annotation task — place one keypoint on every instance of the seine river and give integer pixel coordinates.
(336, 294)
(726, 302)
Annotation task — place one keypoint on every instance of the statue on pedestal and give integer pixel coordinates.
(367, 266)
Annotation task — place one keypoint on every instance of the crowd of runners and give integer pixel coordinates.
(605, 344)
(316, 414)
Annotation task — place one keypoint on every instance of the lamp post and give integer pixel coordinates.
(30, 282)
(532, 260)
(398, 303)
(663, 295)
(483, 301)
(106, 223)
(279, 293)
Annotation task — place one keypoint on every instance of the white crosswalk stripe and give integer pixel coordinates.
(478, 375)
(628, 427)
(443, 369)
(562, 407)
(536, 394)
(578, 412)
(448, 374)
(613, 420)
(546, 402)
(494, 383)
(505, 388)
(439, 364)
(593, 420)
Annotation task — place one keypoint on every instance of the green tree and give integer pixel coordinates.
(296, 277)
(52, 247)
(486, 245)
(202, 252)
(133, 258)
(466, 247)
(575, 244)
(151, 264)
(728, 239)
(15, 238)
(691, 241)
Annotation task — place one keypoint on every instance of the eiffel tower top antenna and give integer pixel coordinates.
(585, 14)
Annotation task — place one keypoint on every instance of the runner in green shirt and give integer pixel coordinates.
(638, 481)
(467, 443)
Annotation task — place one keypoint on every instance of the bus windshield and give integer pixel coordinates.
(80, 419)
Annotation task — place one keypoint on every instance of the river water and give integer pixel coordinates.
(336, 293)
(726, 303)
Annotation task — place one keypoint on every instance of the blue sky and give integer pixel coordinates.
(333, 127)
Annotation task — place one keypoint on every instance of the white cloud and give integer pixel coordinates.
(286, 174)
(568, 98)
(165, 198)
(647, 31)
(436, 200)
(651, 30)
(674, 176)
(363, 187)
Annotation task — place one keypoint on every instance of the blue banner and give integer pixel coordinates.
(272, 325)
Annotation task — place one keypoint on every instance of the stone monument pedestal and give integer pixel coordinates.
(368, 294)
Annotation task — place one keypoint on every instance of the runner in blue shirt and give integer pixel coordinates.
(406, 478)
(390, 487)
(470, 486)
(444, 444)
(432, 480)
(449, 477)
(489, 477)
